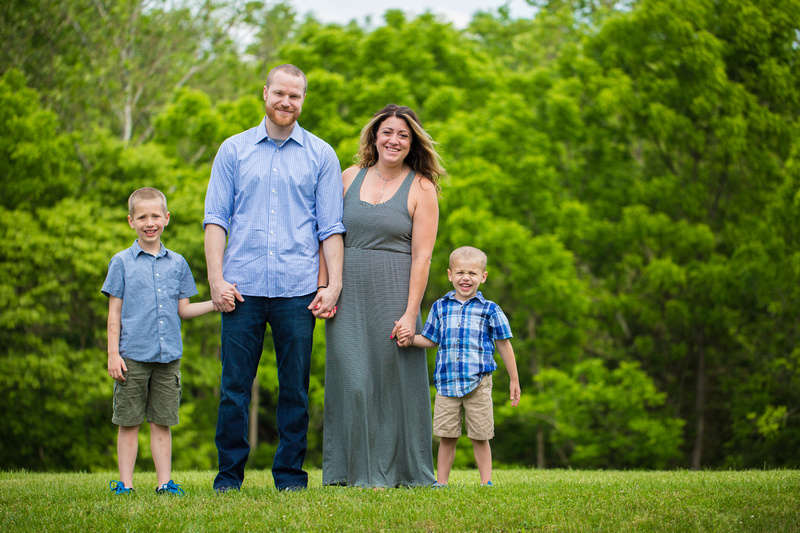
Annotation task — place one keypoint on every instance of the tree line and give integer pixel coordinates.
(630, 168)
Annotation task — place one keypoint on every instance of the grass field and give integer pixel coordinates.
(521, 500)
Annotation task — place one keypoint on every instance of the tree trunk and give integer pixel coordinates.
(540, 462)
(699, 407)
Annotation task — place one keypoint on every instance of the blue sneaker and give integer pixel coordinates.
(118, 487)
(171, 488)
(487, 484)
(438, 485)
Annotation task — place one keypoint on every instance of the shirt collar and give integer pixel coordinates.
(478, 296)
(136, 249)
(261, 132)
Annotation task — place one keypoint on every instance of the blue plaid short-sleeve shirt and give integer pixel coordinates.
(465, 333)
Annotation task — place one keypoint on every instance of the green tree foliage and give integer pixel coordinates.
(115, 63)
(630, 168)
(36, 163)
(603, 418)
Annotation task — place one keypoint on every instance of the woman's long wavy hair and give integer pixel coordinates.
(422, 157)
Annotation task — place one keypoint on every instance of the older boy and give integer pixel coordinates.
(148, 287)
(466, 328)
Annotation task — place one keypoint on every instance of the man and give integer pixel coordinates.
(276, 193)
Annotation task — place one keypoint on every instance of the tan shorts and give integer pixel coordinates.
(477, 409)
(149, 389)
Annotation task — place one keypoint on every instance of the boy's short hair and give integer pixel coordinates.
(144, 194)
(469, 253)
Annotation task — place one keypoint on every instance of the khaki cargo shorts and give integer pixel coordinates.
(477, 412)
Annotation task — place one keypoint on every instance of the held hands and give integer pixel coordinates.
(224, 295)
(405, 337)
(324, 303)
(230, 296)
(405, 322)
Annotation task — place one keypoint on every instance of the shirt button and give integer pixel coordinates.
(273, 211)
(273, 190)
(156, 274)
(271, 232)
(160, 321)
(274, 169)
(159, 290)
(159, 306)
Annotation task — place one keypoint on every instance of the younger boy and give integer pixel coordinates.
(466, 328)
(148, 287)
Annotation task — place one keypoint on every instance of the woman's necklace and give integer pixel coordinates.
(386, 180)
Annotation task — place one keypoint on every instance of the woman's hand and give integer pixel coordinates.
(406, 322)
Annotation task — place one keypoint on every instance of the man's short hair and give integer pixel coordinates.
(144, 194)
(291, 70)
(469, 253)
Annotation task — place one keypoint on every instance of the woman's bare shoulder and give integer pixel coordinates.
(349, 175)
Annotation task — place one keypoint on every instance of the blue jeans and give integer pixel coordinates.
(243, 330)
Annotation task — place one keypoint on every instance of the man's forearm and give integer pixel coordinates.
(215, 251)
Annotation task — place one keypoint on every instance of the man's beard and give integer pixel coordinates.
(281, 119)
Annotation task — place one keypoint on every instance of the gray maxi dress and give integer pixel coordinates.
(377, 430)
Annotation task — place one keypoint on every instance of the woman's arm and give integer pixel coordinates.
(424, 210)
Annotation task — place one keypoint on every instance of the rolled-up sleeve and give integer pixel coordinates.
(221, 188)
(329, 197)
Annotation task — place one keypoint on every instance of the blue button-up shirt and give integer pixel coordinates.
(465, 333)
(275, 203)
(150, 287)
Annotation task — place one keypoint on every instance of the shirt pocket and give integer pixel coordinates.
(172, 286)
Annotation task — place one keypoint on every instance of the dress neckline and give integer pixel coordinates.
(361, 184)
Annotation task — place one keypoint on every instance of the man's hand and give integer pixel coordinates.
(324, 303)
(219, 289)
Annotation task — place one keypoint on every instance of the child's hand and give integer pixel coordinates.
(404, 337)
(116, 367)
(230, 296)
(515, 393)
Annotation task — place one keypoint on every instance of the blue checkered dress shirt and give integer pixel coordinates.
(465, 333)
(276, 204)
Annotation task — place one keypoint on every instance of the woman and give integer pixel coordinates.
(377, 395)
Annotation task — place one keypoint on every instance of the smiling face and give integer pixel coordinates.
(466, 275)
(284, 101)
(393, 141)
(148, 219)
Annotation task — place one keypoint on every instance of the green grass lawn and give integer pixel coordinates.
(521, 500)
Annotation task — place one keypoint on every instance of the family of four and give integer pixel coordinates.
(289, 238)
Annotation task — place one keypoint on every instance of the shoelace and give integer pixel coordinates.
(118, 487)
(171, 487)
